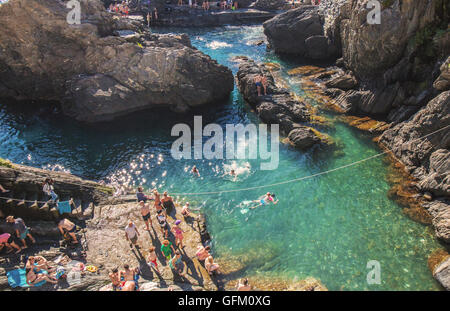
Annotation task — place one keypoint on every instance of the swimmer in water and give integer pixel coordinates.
(233, 174)
(265, 200)
(195, 171)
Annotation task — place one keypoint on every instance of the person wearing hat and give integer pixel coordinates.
(20, 229)
(178, 232)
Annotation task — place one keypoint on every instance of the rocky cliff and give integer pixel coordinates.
(93, 71)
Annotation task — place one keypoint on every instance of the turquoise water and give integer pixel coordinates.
(327, 227)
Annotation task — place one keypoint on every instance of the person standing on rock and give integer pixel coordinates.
(178, 232)
(161, 218)
(158, 203)
(261, 82)
(7, 240)
(145, 212)
(49, 190)
(166, 249)
(20, 230)
(132, 233)
(176, 264)
(65, 226)
(152, 259)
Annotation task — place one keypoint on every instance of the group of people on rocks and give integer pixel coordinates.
(223, 4)
(119, 7)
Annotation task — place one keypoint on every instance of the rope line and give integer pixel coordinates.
(275, 184)
(310, 176)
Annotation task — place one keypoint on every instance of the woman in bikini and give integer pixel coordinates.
(33, 277)
(203, 253)
(178, 232)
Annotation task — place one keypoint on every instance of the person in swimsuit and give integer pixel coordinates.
(202, 253)
(152, 259)
(66, 226)
(268, 198)
(163, 224)
(178, 232)
(195, 171)
(145, 212)
(185, 211)
(33, 277)
(210, 265)
(158, 204)
(167, 202)
(176, 264)
(115, 280)
(39, 263)
(7, 240)
(127, 278)
(243, 285)
(141, 196)
(261, 82)
(167, 248)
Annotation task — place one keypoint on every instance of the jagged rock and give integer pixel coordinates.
(442, 83)
(95, 74)
(300, 32)
(440, 213)
(344, 82)
(438, 179)
(442, 273)
(270, 5)
(303, 137)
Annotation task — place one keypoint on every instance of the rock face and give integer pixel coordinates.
(427, 159)
(270, 5)
(300, 32)
(442, 273)
(279, 106)
(95, 74)
(442, 83)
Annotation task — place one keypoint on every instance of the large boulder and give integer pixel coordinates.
(93, 72)
(442, 83)
(442, 273)
(270, 5)
(300, 32)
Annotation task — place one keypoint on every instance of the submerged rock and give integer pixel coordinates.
(93, 73)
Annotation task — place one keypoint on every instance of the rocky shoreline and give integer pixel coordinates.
(94, 72)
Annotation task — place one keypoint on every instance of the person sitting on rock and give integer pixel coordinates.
(115, 280)
(203, 253)
(20, 229)
(3, 190)
(210, 265)
(243, 285)
(132, 233)
(33, 277)
(65, 226)
(185, 211)
(7, 240)
(128, 279)
(49, 190)
(141, 196)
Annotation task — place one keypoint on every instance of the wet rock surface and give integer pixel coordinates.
(93, 72)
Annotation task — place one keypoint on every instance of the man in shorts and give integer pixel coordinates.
(145, 212)
(132, 234)
(20, 229)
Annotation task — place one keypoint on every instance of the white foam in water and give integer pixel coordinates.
(214, 45)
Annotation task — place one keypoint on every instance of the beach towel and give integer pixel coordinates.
(18, 278)
(64, 207)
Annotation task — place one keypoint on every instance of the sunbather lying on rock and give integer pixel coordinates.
(35, 276)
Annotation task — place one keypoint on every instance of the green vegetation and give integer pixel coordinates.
(387, 3)
(105, 189)
(6, 163)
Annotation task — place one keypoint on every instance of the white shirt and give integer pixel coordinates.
(131, 231)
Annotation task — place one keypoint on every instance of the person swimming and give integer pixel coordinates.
(195, 171)
(266, 199)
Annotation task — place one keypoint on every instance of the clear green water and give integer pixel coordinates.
(327, 227)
